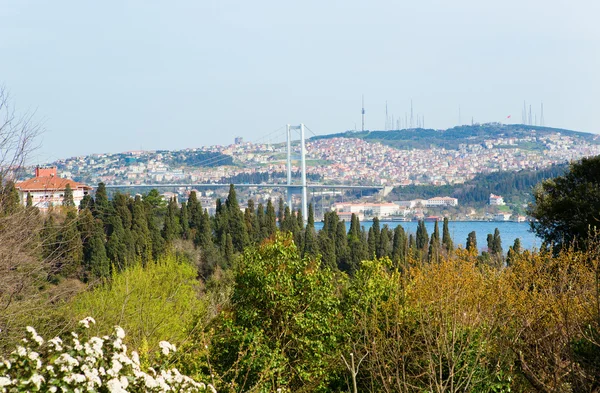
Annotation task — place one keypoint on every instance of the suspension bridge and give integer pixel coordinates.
(291, 187)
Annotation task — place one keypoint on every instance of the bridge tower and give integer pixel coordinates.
(289, 130)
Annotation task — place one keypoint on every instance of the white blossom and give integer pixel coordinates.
(166, 347)
(85, 322)
(5, 381)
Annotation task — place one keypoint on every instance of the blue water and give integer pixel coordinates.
(459, 230)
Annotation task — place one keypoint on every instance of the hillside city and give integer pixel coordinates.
(335, 161)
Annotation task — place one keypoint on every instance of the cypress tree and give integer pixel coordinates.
(310, 235)
(472, 242)
(116, 250)
(228, 250)
(341, 248)
(446, 238)
(142, 239)
(101, 204)
(152, 218)
(95, 261)
(270, 219)
(68, 196)
(49, 235)
(376, 232)
(95, 257)
(497, 243)
(194, 214)
(220, 221)
(513, 252)
(384, 248)
(434, 244)
(357, 249)
(354, 226)
(29, 200)
(9, 198)
(236, 226)
(184, 221)
(87, 202)
(171, 228)
(280, 213)
(327, 237)
(300, 220)
(422, 238)
(70, 247)
(399, 246)
(286, 224)
(490, 243)
(261, 232)
(372, 245)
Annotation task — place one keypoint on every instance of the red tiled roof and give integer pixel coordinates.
(49, 183)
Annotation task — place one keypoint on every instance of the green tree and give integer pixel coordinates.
(102, 206)
(434, 244)
(399, 246)
(68, 196)
(567, 208)
(310, 248)
(171, 228)
(471, 244)
(184, 221)
(116, 249)
(283, 327)
(422, 238)
(70, 247)
(384, 247)
(358, 248)
(270, 220)
(142, 238)
(95, 261)
(235, 221)
(446, 238)
(280, 212)
(513, 252)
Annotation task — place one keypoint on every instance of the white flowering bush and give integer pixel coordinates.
(76, 364)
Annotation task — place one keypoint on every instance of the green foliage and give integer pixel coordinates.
(515, 187)
(447, 242)
(567, 208)
(281, 329)
(206, 159)
(155, 302)
(68, 196)
(471, 244)
(419, 138)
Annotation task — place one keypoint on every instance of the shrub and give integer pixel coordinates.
(79, 364)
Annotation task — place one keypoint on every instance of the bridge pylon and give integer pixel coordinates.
(289, 129)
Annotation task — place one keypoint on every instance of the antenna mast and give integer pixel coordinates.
(411, 114)
(363, 113)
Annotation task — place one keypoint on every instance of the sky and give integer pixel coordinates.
(112, 76)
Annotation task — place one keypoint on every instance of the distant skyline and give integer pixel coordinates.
(114, 76)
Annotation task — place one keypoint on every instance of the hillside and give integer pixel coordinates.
(451, 138)
(515, 187)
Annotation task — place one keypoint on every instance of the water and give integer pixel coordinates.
(459, 230)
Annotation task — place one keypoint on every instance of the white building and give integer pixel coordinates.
(47, 189)
(502, 217)
(441, 201)
(496, 200)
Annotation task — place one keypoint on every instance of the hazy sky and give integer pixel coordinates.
(112, 76)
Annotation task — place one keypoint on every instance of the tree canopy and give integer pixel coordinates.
(567, 208)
